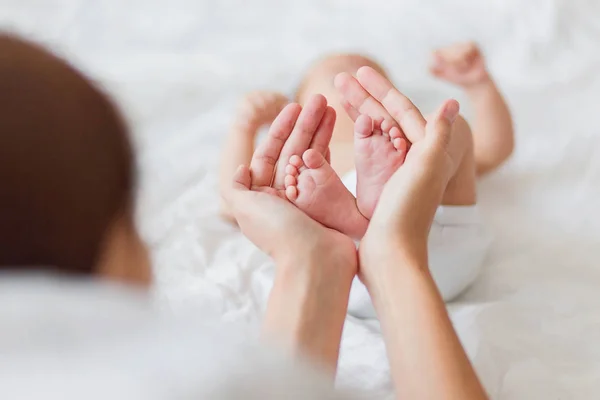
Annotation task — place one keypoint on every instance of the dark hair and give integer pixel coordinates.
(66, 163)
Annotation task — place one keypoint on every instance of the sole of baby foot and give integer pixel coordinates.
(314, 187)
(378, 154)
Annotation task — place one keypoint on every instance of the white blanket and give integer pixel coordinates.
(531, 323)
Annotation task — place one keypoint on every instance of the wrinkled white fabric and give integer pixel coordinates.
(531, 322)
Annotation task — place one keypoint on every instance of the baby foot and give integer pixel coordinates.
(379, 150)
(314, 187)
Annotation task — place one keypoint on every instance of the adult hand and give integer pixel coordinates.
(427, 360)
(294, 131)
(409, 200)
(257, 198)
(315, 265)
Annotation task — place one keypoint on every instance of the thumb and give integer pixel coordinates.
(439, 128)
(242, 178)
(328, 156)
(240, 183)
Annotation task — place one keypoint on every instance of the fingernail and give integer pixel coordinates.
(451, 111)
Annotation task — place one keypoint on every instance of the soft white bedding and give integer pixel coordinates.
(531, 323)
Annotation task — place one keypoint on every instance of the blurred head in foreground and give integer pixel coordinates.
(67, 174)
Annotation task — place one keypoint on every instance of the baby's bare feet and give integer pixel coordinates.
(379, 152)
(314, 187)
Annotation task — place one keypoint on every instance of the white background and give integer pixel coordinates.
(531, 324)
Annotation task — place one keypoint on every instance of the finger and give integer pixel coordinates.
(241, 182)
(242, 179)
(454, 53)
(351, 111)
(356, 96)
(467, 50)
(438, 73)
(407, 115)
(302, 135)
(328, 156)
(459, 56)
(440, 127)
(320, 141)
(266, 155)
(472, 53)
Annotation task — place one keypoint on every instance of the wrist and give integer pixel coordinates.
(323, 251)
(307, 263)
(380, 259)
(395, 266)
(308, 305)
(481, 86)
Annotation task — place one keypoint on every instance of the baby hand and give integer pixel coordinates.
(260, 108)
(461, 64)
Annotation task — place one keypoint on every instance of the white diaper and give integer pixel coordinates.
(458, 244)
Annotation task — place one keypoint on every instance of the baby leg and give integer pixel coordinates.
(256, 110)
(493, 135)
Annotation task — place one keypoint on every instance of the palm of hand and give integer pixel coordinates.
(408, 202)
(271, 210)
(271, 191)
(258, 198)
(264, 214)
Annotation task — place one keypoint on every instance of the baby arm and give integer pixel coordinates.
(493, 135)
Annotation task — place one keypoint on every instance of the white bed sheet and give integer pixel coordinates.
(531, 323)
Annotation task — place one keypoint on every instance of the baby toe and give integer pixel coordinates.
(290, 181)
(313, 159)
(296, 161)
(400, 144)
(291, 192)
(291, 170)
(395, 133)
(387, 125)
